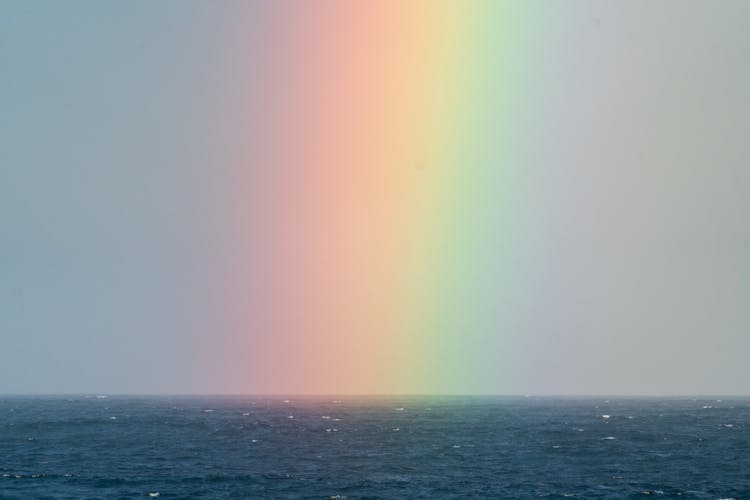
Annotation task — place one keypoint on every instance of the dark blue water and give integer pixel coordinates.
(426, 447)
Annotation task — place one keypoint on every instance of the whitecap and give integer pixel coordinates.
(154, 494)
(605, 416)
(399, 409)
(609, 438)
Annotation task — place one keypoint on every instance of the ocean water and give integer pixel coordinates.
(415, 447)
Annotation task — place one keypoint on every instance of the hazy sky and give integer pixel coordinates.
(114, 165)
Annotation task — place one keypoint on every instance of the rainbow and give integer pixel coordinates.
(377, 196)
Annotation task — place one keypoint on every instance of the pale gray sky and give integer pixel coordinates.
(634, 274)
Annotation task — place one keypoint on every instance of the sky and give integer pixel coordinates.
(486, 197)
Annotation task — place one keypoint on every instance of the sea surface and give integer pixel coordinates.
(410, 447)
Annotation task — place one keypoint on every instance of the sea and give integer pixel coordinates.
(104, 446)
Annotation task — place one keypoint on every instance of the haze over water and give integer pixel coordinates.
(375, 197)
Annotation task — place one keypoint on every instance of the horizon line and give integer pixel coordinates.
(376, 395)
